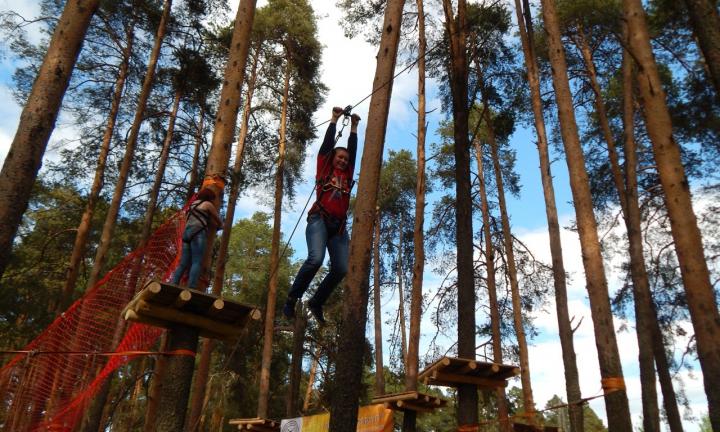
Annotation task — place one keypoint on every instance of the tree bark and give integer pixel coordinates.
(175, 392)
(642, 285)
(200, 383)
(37, 120)
(347, 386)
(401, 295)
(492, 288)
(311, 380)
(528, 400)
(572, 381)
(467, 411)
(608, 355)
(416, 295)
(83, 230)
(293, 396)
(377, 304)
(264, 393)
(112, 214)
(193, 182)
(645, 318)
(218, 161)
(706, 23)
(683, 223)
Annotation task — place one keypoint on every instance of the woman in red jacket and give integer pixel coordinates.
(326, 220)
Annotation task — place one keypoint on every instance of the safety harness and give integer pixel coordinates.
(333, 224)
(200, 215)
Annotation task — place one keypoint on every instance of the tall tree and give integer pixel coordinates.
(130, 145)
(416, 295)
(608, 355)
(706, 23)
(688, 242)
(83, 230)
(455, 28)
(343, 409)
(37, 120)
(572, 382)
(173, 402)
(491, 283)
(528, 400)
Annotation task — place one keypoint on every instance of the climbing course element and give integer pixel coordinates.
(165, 305)
(452, 372)
(48, 385)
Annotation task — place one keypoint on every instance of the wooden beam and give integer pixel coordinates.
(468, 367)
(464, 379)
(183, 297)
(410, 406)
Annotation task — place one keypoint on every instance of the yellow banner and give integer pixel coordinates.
(372, 418)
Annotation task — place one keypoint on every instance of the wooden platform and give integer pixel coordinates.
(410, 401)
(452, 372)
(256, 424)
(165, 305)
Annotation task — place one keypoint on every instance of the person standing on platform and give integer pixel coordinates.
(202, 216)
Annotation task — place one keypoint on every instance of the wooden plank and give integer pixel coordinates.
(175, 316)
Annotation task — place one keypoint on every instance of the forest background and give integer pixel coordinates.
(347, 70)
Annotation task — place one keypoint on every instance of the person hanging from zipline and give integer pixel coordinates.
(326, 219)
(202, 216)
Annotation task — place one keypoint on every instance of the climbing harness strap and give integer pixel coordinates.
(200, 216)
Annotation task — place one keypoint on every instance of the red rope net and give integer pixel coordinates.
(50, 383)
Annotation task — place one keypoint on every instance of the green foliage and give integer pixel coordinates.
(35, 275)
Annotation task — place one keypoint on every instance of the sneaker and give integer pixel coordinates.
(317, 312)
(289, 308)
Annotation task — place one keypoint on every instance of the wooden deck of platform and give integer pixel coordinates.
(410, 401)
(452, 372)
(165, 305)
(256, 424)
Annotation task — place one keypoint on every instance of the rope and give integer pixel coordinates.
(31, 353)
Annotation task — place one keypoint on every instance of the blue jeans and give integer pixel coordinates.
(316, 235)
(193, 249)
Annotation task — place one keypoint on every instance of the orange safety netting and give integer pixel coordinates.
(50, 384)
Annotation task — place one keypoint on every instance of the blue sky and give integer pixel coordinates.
(348, 71)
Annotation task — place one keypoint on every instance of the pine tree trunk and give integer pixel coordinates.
(348, 381)
(111, 217)
(264, 393)
(688, 242)
(155, 389)
(528, 400)
(645, 319)
(401, 295)
(379, 368)
(311, 381)
(467, 410)
(492, 288)
(193, 182)
(706, 23)
(200, 383)
(293, 395)
(37, 120)
(217, 164)
(641, 283)
(416, 296)
(608, 355)
(92, 420)
(83, 231)
(572, 381)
